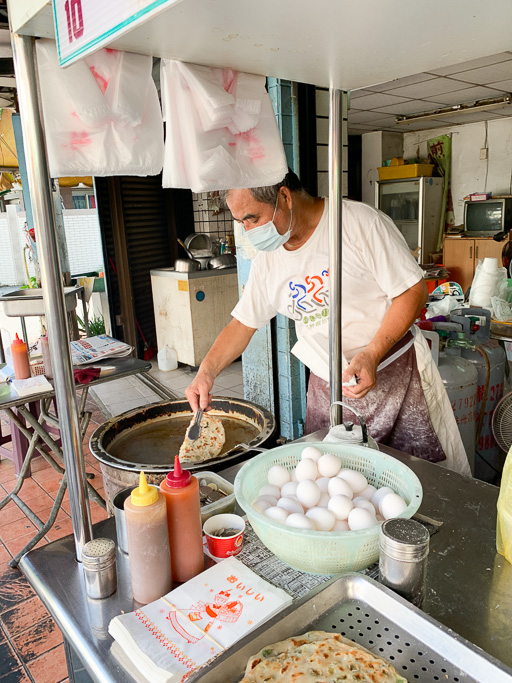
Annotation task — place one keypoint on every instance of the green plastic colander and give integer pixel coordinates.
(325, 552)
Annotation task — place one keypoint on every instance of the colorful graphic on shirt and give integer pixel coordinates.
(309, 300)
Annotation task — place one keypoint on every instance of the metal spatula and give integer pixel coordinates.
(195, 430)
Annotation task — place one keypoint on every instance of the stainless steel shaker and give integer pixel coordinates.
(404, 547)
(99, 565)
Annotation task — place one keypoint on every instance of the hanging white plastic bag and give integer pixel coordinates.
(102, 115)
(221, 130)
(486, 282)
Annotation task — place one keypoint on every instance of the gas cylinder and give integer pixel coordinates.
(489, 359)
(460, 379)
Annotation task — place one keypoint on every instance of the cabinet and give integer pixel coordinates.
(414, 204)
(461, 256)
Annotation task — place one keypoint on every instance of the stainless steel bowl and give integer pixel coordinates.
(223, 261)
(184, 265)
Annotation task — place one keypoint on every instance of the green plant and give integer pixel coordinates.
(96, 325)
(32, 284)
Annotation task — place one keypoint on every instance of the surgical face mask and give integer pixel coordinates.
(266, 237)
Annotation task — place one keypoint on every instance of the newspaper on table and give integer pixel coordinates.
(93, 349)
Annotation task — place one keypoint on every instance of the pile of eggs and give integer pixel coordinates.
(321, 495)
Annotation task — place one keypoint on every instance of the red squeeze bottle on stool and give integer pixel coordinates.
(20, 360)
(181, 491)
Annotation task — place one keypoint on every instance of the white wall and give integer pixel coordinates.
(376, 148)
(83, 241)
(470, 173)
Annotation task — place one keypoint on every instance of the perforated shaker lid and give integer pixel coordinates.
(98, 552)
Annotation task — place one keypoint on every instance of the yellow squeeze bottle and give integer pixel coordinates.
(504, 523)
(148, 542)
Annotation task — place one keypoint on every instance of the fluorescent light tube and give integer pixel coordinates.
(478, 105)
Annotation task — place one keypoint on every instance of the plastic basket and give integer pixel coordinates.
(325, 552)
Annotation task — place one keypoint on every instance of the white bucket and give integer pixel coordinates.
(167, 359)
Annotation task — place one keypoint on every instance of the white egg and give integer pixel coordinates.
(308, 493)
(368, 492)
(379, 495)
(278, 475)
(365, 504)
(324, 500)
(289, 489)
(276, 513)
(340, 525)
(339, 487)
(323, 519)
(357, 481)
(290, 504)
(269, 490)
(392, 505)
(323, 483)
(312, 453)
(306, 469)
(329, 465)
(299, 521)
(261, 505)
(360, 519)
(294, 476)
(269, 499)
(341, 506)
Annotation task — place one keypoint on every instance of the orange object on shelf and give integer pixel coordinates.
(20, 360)
(434, 282)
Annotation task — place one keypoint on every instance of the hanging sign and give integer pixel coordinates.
(83, 26)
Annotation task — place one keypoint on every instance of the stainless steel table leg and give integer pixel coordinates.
(46, 527)
(156, 386)
(86, 317)
(24, 330)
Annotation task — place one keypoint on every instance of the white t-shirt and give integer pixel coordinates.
(377, 266)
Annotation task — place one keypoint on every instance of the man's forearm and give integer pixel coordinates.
(228, 346)
(401, 315)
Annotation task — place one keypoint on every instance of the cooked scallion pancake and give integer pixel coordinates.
(209, 443)
(319, 657)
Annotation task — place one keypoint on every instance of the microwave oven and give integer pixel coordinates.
(488, 218)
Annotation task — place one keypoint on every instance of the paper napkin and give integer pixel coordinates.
(175, 635)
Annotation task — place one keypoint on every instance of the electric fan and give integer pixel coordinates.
(502, 423)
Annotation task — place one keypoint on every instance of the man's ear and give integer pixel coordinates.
(287, 195)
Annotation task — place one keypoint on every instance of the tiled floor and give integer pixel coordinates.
(31, 646)
(124, 394)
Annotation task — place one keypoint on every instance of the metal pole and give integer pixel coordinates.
(335, 227)
(56, 318)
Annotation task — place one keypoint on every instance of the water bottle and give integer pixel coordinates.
(167, 359)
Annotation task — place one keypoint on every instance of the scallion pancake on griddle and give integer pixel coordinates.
(209, 443)
(319, 657)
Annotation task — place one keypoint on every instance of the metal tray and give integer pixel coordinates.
(420, 648)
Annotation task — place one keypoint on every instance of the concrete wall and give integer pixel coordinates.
(469, 172)
(83, 241)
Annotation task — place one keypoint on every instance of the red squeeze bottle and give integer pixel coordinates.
(20, 360)
(181, 491)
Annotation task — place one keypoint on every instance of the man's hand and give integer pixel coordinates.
(364, 366)
(198, 393)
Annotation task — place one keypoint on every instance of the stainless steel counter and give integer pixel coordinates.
(469, 586)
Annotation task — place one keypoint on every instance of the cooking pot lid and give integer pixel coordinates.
(199, 241)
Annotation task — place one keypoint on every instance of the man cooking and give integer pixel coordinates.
(399, 390)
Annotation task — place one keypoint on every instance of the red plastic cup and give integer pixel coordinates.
(225, 546)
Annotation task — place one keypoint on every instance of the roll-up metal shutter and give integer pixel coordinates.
(140, 222)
